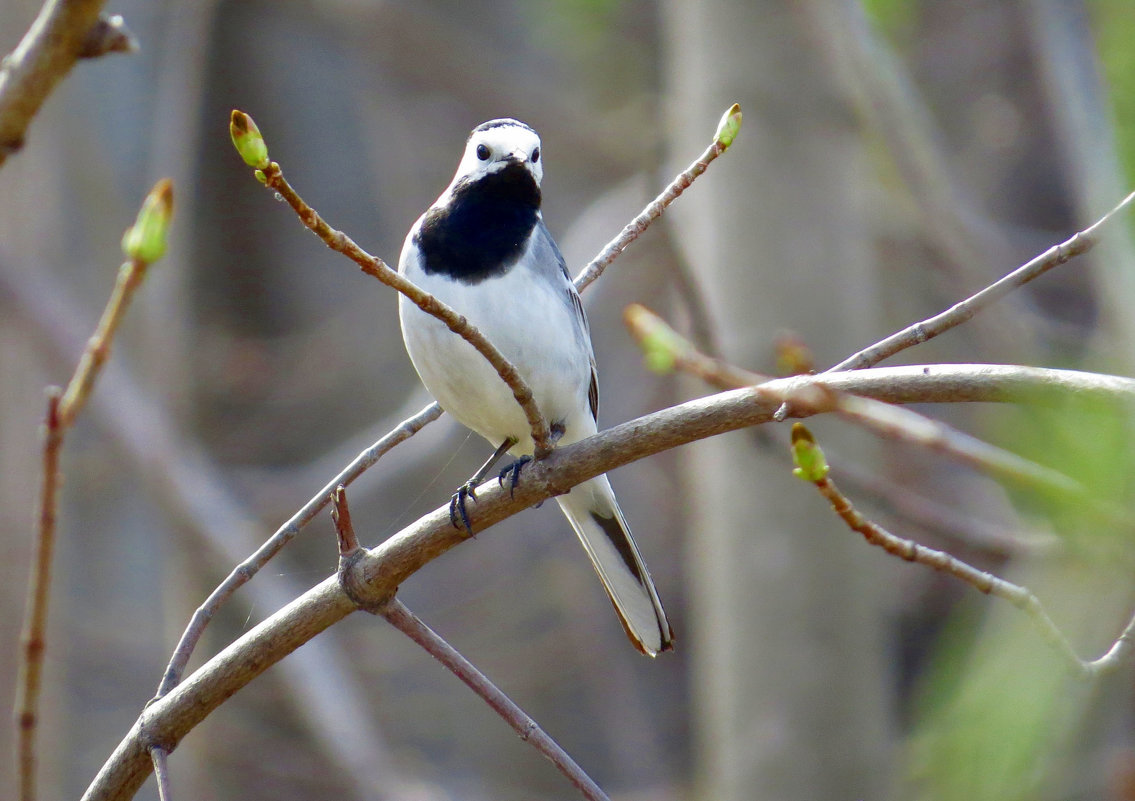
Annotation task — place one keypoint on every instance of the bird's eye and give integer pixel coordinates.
(483, 152)
(535, 154)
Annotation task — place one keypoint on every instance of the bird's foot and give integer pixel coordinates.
(513, 473)
(457, 505)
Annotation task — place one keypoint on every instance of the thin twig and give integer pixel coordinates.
(721, 142)
(399, 557)
(396, 613)
(161, 773)
(62, 409)
(130, 276)
(48, 51)
(1017, 595)
(959, 313)
(946, 520)
(377, 268)
(884, 419)
(405, 621)
(35, 621)
(252, 565)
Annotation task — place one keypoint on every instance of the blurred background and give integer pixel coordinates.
(896, 156)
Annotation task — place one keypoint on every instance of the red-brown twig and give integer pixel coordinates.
(396, 613)
(62, 409)
(341, 514)
(943, 562)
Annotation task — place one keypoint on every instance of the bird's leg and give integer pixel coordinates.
(513, 470)
(469, 488)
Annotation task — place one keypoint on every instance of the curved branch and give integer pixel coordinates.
(383, 568)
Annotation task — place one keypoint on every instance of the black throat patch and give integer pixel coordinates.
(485, 227)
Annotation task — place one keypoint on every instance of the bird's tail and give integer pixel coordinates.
(594, 514)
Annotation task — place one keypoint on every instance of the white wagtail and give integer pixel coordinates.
(482, 248)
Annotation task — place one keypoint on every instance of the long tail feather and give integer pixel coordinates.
(594, 514)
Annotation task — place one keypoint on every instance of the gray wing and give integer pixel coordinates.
(546, 252)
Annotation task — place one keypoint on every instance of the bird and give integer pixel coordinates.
(482, 248)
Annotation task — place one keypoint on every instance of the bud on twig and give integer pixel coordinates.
(660, 344)
(810, 462)
(145, 241)
(248, 140)
(729, 126)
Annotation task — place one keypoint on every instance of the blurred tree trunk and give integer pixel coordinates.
(789, 673)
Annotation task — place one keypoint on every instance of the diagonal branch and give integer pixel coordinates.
(396, 613)
(814, 469)
(959, 313)
(283, 535)
(727, 131)
(435, 645)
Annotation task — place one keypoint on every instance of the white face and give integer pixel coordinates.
(501, 142)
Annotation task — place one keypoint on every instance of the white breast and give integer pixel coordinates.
(531, 321)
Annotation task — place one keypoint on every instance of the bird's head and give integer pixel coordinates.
(497, 144)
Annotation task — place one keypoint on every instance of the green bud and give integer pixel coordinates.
(729, 126)
(660, 344)
(658, 356)
(809, 458)
(146, 240)
(248, 140)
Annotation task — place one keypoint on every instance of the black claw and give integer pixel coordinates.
(457, 506)
(513, 472)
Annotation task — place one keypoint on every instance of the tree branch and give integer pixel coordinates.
(1021, 597)
(397, 615)
(666, 348)
(63, 32)
(143, 243)
(727, 130)
(383, 568)
(959, 313)
(283, 535)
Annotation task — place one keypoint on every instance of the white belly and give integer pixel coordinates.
(531, 323)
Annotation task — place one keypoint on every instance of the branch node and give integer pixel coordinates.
(108, 35)
(352, 578)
